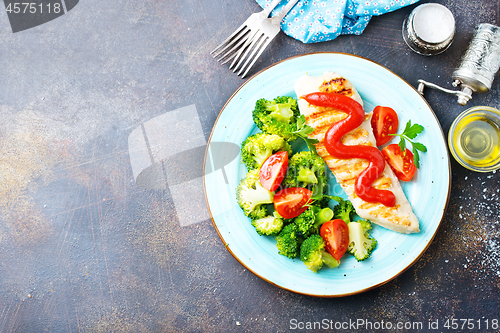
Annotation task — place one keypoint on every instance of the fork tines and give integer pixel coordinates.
(244, 47)
(246, 44)
(241, 47)
(235, 40)
(256, 45)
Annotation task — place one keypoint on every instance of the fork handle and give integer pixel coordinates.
(284, 11)
(271, 7)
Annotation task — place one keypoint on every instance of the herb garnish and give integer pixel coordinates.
(303, 130)
(410, 132)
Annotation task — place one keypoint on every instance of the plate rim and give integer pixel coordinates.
(410, 264)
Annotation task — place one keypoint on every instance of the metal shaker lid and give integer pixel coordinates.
(433, 23)
(429, 29)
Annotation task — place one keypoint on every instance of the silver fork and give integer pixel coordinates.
(252, 37)
(240, 35)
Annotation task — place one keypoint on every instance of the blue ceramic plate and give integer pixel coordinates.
(428, 192)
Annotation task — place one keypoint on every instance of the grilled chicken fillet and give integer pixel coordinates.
(400, 217)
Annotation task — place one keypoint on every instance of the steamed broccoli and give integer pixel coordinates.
(258, 147)
(344, 210)
(361, 243)
(312, 218)
(306, 169)
(313, 254)
(270, 225)
(252, 197)
(278, 116)
(288, 241)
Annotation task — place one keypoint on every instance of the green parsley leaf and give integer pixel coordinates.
(407, 127)
(416, 158)
(301, 121)
(410, 132)
(419, 146)
(303, 130)
(402, 144)
(310, 144)
(413, 131)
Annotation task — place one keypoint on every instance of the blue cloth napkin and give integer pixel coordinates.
(312, 21)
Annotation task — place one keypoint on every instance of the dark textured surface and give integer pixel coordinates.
(83, 248)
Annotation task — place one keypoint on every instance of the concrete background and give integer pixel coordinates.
(83, 248)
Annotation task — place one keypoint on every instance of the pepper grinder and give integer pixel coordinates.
(478, 65)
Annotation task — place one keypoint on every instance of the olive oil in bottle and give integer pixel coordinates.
(478, 142)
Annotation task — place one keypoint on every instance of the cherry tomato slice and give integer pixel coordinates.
(290, 202)
(401, 162)
(384, 122)
(273, 170)
(335, 233)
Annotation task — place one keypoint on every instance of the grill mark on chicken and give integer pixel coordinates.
(324, 117)
(356, 135)
(336, 85)
(321, 122)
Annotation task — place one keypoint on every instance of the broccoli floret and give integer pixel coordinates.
(344, 210)
(361, 243)
(252, 197)
(306, 169)
(305, 221)
(313, 254)
(278, 116)
(288, 241)
(312, 218)
(270, 225)
(258, 147)
(367, 225)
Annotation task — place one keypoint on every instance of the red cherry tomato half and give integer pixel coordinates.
(335, 233)
(401, 162)
(384, 122)
(273, 170)
(290, 202)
